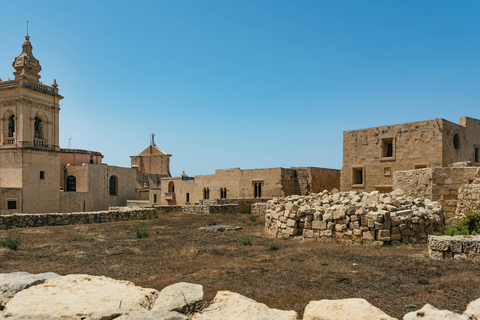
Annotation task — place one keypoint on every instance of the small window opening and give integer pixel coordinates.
(477, 154)
(113, 186)
(223, 193)
(171, 187)
(91, 159)
(11, 204)
(154, 198)
(420, 166)
(357, 175)
(206, 193)
(42, 175)
(71, 183)
(456, 141)
(188, 197)
(387, 148)
(257, 190)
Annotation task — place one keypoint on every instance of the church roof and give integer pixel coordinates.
(153, 150)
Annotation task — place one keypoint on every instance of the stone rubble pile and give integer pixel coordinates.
(355, 217)
(84, 297)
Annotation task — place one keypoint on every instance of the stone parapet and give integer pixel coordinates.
(368, 218)
(454, 247)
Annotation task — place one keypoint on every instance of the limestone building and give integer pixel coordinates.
(36, 176)
(227, 184)
(370, 156)
(29, 149)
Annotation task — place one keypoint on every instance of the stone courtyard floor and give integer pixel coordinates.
(396, 279)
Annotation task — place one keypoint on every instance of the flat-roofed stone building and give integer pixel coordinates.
(370, 156)
(247, 184)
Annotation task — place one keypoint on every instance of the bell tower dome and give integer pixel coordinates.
(26, 66)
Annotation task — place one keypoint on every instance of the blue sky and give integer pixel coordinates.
(250, 84)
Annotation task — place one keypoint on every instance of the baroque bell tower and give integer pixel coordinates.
(29, 142)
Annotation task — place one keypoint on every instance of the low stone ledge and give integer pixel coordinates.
(454, 247)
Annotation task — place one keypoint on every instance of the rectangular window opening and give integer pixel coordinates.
(420, 166)
(357, 175)
(387, 148)
(188, 197)
(42, 175)
(154, 198)
(11, 204)
(477, 154)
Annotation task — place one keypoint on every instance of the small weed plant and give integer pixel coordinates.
(410, 306)
(12, 239)
(423, 282)
(397, 282)
(252, 218)
(91, 239)
(273, 248)
(245, 240)
(323, 263)
(77, 236)
(141, 228)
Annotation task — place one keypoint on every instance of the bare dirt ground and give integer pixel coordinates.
(287, 278)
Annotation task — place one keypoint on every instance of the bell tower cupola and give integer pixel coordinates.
(26, 65)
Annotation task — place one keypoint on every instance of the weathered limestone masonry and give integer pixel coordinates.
(438, 184)
(456, 247)
(245, 204)
(259, 208)
(369, 218)
(24, 220)
(468, 198)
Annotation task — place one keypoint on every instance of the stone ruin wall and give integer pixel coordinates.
(368, 218)
(444, 185)
(454, 247)
(26, 220)
(468, 198)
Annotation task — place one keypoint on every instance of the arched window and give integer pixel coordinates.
(206, 193)
(113, 186)
(71, 183)
(171, 187)
(40, 127)
(37, 128)
(11, 126)
(223, 193)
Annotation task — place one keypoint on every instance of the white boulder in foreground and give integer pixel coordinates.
(429, 312)
(233, 306)
(178, 297)
(473, 310)
(79, 295)
(351, 309)
(12, 283)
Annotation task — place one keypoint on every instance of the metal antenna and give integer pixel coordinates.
(27, 27)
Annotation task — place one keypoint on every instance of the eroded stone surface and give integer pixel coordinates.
(229, 305)
(429, 312)
(351, 309)
(79, 295)
(178, 297)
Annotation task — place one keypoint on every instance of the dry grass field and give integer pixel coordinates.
(397, 279)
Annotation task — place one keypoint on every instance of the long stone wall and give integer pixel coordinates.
(25, 220)
(245, 204)
(454, 247)
(355, 217)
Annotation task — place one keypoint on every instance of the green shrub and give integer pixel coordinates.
(273, 248)
(12, 239)
(91, 239)
(323, 263)
(470, 225)
(245, 240)
(423, 282)
(410, 306)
